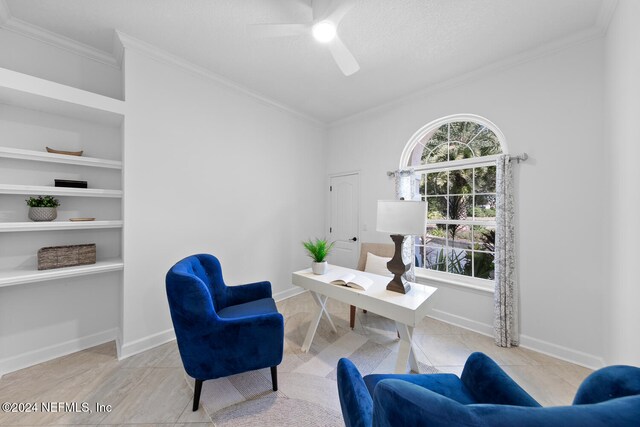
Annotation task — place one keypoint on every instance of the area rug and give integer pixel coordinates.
(308, 392)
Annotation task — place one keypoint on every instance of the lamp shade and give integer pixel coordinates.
(407, 217)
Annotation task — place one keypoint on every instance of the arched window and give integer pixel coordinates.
(454, 159)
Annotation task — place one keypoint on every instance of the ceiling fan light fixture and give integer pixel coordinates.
(324, 31)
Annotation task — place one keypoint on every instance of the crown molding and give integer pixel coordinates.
(154, 52)
(542, 51)
(11, 23)
(607, 8)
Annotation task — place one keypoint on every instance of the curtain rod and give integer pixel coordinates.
(519, 158)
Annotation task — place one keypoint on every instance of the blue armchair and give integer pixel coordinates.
(222, 330)
(483, 396)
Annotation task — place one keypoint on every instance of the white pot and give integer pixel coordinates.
(319, 267)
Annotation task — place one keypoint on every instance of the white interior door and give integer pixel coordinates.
(343, 219)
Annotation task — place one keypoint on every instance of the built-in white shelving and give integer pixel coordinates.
(12, 227)
(58, 191)
(19, 277)
(42, 156)
(34, 93)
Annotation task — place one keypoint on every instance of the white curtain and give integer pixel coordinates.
(506, 328)
(407, 189)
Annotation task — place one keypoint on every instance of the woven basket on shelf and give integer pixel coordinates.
(66, 256)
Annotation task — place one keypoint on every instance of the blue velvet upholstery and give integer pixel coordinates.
(222, 330)
(398, 402)
(608, 383)
(355, 400)
(485, 396)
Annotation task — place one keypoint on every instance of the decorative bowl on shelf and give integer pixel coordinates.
(42, 214)
(66, 153)
(81, 219)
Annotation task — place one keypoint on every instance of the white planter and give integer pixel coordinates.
(43, 214)
(319, 267)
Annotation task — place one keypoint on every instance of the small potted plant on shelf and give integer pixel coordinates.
(43, 208)
(318, 251)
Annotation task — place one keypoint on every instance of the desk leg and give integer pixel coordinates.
(321, 302)
(405, 353)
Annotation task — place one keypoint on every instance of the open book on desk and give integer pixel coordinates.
(352, 281)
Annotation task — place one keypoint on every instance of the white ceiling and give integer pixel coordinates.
(401, 45)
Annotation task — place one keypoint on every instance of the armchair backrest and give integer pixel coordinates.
(609, 383)
(380, 249)
(355, 400)
(196, 276)
(398, 402)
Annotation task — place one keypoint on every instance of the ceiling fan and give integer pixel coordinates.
(326, 17)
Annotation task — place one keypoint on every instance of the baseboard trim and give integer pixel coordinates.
(561, 352)
(143, 344)
(30, 358)
(291, 292)
(461, 322)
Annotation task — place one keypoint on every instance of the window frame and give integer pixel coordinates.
(405, 158)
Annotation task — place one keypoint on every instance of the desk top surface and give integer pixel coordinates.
(377, 294)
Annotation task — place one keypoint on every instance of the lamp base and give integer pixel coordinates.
(398, 267)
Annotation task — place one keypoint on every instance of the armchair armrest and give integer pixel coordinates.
(397, 402)
(246, 293)
(488, 383)
(355, 400)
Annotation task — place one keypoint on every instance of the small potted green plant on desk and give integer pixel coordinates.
(43, 208)
(318, 251)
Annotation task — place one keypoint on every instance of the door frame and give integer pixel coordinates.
(327, 218)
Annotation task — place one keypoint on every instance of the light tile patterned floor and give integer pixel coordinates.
(151, 388)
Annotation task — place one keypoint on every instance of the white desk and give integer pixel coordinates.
(407, 310)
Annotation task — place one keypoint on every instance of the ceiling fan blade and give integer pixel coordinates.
(343, 57)
(277, 30)
(339, 8)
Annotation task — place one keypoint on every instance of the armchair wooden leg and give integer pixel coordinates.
(196, 395)
(352, 316)
(274, 377)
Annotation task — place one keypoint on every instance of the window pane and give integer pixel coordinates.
(437, 183)
(437, 154)
(461, 181)
(438, 231)
(435, 258)
(486, 179)
(419, 256)
(464, 131)
(459, 261)
(485, 207)
(459, 207)
(437, 207)
(484, 238)
(459, 151)
(485, 144)
(459, 236)
(483, 265)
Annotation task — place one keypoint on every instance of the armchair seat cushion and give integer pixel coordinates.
(448, 385)
(252, 308)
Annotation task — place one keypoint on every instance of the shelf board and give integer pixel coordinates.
(38, 94)
(19, 277)
(43, 156)
(58, 191)
(9, 227)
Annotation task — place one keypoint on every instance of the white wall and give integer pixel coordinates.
(622, 85)
(209, 169)
(550, 108)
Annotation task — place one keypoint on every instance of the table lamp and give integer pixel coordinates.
(401, 218)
